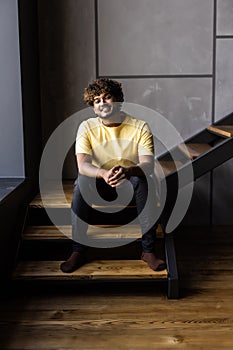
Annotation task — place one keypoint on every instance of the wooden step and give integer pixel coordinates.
(194, 150)
(95, 232)
(55, 199)
(98, 270)
(223, 130)
(35, 233)
(169, 166)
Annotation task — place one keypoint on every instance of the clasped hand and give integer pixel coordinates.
(117, 175)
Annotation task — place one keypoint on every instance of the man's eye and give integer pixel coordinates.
(108, 96)
(97, 101)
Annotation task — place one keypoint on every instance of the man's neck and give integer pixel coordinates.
(114, 120)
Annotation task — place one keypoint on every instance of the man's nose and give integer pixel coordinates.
(102, 101)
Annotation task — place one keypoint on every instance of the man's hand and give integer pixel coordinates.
(118, 174)
(115, 176)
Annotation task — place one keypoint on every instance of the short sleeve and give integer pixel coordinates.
(146, 142)
(82, 144)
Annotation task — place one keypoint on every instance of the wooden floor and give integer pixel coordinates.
(121, 316)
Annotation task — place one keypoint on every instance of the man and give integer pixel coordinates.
(112, 148)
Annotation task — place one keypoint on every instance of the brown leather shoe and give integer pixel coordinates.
(75, 261)
(154, 263)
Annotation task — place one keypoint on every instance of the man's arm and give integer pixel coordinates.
(115, 176)
(86, 167)
(144, 167)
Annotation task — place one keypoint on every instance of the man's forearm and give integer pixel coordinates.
(89, 170)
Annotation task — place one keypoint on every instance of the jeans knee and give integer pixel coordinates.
(139, 181)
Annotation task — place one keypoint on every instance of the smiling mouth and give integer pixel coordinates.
(105, 109)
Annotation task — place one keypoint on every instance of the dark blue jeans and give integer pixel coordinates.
(88, 191)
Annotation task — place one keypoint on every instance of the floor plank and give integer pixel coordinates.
(130, 316)
(114, 335)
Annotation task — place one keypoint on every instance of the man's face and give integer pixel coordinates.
(104, 105)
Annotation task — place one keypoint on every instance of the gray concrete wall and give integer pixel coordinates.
(155, 37)
(173, 56)
(222, 185)
(67, 60)
(11, 125)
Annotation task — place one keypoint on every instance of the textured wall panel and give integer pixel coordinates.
(67, 57)
(155, 37)
(225, 17)
(222, 181)
(224, 78)
(186, 103)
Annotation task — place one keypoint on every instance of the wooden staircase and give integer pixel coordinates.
(43, 245)
(207, 150)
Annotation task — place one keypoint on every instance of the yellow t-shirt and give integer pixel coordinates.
(111, 146)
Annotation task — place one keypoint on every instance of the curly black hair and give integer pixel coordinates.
(103, 85)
